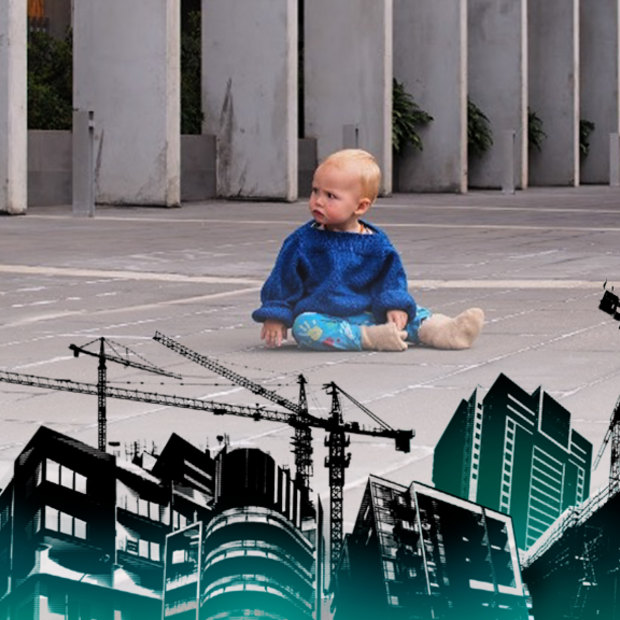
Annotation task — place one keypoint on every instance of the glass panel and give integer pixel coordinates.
(143, 548)
(80, 528)
(80, 483)
(51, 518)
(66, 477)
(52, 471)
(66, 523)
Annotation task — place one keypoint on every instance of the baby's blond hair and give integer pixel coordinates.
(361, 163)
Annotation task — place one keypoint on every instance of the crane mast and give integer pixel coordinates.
(337, 461)
(103, 356)
(612, 435)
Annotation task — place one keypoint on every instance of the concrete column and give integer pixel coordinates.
(614, 159)
(13, 107)
(250, 95)
(497, 82)
(83, 171)
(599, 75)
(553, 43)
(348, 77)
(127, 71)
(430, 58)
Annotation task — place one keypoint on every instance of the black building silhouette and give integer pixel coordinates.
(419, 553)
(84, 534)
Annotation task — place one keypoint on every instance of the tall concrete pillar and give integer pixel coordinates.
(348, 77)
(553, 43)
(430, 58)
(250, 95)
(497, 83)
(13, 107)
(599, 75)
(127, 71)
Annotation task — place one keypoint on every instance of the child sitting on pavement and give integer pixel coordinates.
(339, 283)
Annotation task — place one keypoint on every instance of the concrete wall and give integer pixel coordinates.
(497, 84)
(430, 53)
(348, 77)
(128, 74)
(50, 161)
(197, 167)
(49, 168)
(249, 71)
(599, 74)
(553, 33)
(13, 122)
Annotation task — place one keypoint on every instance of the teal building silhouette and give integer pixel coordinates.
(516, 453)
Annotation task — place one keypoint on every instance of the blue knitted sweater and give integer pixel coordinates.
(335, 273)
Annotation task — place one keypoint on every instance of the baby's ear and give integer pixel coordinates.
(363, 205)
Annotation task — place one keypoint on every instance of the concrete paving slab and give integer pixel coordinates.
(535, 261)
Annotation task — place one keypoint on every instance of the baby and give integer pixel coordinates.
(339, 283)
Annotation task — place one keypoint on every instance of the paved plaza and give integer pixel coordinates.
(534, 261)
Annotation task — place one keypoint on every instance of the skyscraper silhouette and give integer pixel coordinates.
(517, 453)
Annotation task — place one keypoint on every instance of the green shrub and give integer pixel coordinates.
(535, 133)
(50, 81)
(479, 134)
(191, 98)
(585, 129)
(406, 116)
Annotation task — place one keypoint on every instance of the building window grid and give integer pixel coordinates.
(543, 487)
(543, 465)
(59, 521)
(475, 456)
(141, 547)
(63, 476)
(580, 484)
(558, 489)
(507, 470)
(128, 499)
(540, 495)
(541, 505)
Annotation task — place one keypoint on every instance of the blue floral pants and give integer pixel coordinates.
(321, 332)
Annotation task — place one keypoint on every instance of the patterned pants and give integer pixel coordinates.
(321, 332)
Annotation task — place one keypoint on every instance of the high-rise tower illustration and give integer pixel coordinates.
(517, 453)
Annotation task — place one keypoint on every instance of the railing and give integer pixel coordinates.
(576, 515)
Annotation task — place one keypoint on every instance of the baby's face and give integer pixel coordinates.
(336, 200)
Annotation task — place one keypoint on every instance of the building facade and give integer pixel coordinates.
(258, 551)
(516, 453)
(85, 534)
(418, 553)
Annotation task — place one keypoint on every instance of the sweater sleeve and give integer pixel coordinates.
(284, 286)
(391, 291)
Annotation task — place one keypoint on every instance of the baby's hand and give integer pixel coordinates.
(398, 317)
(273, 333)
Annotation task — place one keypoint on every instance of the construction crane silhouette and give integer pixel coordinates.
(613, 435)
(302, 441)
(337, 441)
(125, 360)
(338, 430)
(610, 303)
